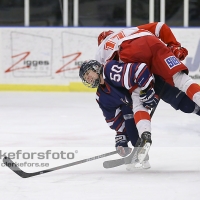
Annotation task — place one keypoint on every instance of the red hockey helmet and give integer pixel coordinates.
(103, 35)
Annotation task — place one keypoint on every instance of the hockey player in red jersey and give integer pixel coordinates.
(139, 44)
(160, 30)
(143, 44)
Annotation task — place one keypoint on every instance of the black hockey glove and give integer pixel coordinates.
(121, 145)
(149, 98)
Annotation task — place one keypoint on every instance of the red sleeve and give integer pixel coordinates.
(163, 32)
(150, 27)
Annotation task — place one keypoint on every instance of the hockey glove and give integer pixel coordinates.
(149, 98)
(121, 145)
(178, 51)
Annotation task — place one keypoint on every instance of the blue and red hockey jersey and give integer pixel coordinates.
(114, 97)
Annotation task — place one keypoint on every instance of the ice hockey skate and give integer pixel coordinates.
(135, 164)
(144, 146)
(140, 159)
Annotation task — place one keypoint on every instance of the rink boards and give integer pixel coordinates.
(48, 59)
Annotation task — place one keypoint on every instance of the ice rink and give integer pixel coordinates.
(41, 121)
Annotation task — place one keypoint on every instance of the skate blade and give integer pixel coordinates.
(143, 152)
(133, 166)
(146, 165)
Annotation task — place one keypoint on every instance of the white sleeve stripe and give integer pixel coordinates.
(140, 68)
(122, 127)
(158, 27)
(147, 84)
(110, 123)
(97, 97)
(126, 76)
(117, 111)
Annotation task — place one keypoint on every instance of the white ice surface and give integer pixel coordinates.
(73, 120)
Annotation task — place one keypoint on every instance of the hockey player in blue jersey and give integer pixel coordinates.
(115, 83)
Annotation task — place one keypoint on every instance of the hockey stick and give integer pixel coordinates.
(13, 166)
(127, 160)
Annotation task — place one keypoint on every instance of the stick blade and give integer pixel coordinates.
(118, 162)
(9, 163)
(113, 163)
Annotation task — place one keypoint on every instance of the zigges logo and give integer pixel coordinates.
(28, 63)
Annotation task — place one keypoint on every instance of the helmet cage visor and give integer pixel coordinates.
(95, 67)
